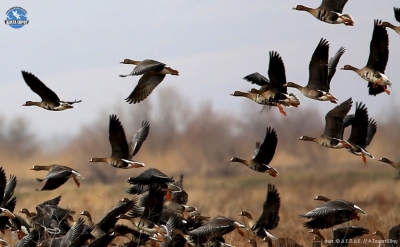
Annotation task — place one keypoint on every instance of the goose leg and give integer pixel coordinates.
(281, 109)
(76, 181)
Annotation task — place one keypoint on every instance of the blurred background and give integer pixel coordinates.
(75, 48)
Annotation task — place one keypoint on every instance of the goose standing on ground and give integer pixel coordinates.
(374, 71)
(331, 213)
(342, 234)
(395, 165)
(330, 11)
(394, 235)
(57, 176)
(273, 90)
(269, 218)
(320, 73)
(333, 133)
(397, 16)
(122, 152)
(262, 155)
(50, 100)
(153, 73)
(362, 131)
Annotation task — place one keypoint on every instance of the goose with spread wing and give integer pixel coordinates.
(330, 11)
(333, 133)
(57, 175)
(50, 100)
(153, 73)
(262, 155)
(374, 71)
(273, 89)
(269, 217)
(122, 152)
(320, 73)
(362, 131)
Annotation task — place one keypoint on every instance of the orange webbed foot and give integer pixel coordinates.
(76, 181)
(281, 109)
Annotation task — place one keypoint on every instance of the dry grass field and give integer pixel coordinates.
(200, 146)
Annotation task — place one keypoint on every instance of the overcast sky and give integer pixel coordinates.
(75, 48)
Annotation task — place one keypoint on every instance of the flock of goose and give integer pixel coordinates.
(161, 217)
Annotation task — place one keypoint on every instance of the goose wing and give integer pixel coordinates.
(332, 64)
(137, 140)
(379, 48)
(265, 152)
(276, 72)
(269, 217)
(397, 13)
(145, 86)
(318, 67)
(333, 5)
(38, 87)
(119, 145)
(257, 78)
(146, 66)
(334, 119)
(359, 126)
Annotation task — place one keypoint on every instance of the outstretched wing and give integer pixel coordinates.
(38, 87)
(137, 140)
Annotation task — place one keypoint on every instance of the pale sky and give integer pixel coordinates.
(75, 48)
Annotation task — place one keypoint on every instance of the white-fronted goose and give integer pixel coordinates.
(217, 226)
(273, 89)
(121, 152)
(362, 131)
(269, 218)
(57, 176)
(395, 165)
(332, 213)
(153, 74)
(333, 133)
(50, 100)
(262, 155)
(374, 71)
(330, 11)
(393, 239)
(341, 235)
(320, 73)
(397, 16)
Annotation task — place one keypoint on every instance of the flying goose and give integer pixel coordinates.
(320, 73)
(50, 100)
(153, 73)
(333, 133)
(57, 176)
(273, 89)
(374, 71)
(362, 131)
(122, 152)
(269, 218)
(397, 16)
(394, 164)
(332, 213)
(330, 11)
(262, 155)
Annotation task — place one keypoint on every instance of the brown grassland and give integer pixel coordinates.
(199, 145)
